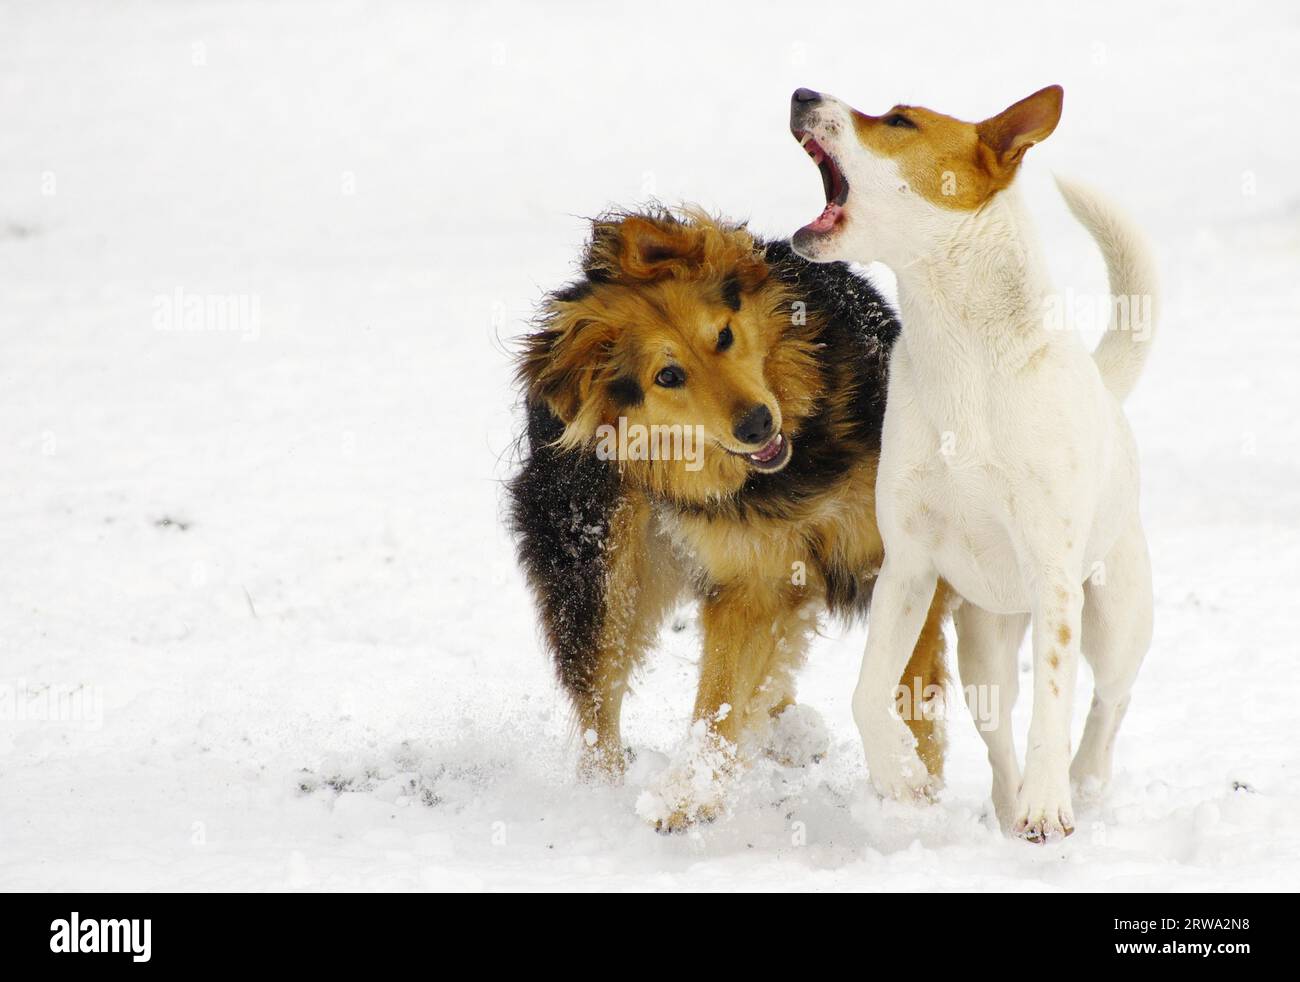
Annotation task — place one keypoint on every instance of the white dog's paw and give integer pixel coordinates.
(905, 782)
(1043, 809)
(897, 772)
(797, 738)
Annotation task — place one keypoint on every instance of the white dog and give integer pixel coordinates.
(1007, 467)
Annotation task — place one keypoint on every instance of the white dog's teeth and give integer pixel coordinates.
(806, 138)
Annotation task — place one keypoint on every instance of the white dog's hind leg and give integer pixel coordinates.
(900, 602)
(1043, 806)
(987, 646)
(1116, 636)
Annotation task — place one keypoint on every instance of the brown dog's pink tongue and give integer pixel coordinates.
(769, 451)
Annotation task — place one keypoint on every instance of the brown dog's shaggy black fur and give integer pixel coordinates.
(611, 546)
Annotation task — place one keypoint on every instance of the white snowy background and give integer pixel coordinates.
(258, 576)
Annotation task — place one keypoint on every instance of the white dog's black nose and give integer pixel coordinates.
(805, 96)
(755, 426)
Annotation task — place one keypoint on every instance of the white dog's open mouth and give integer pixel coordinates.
(836, 187)
(772, 456)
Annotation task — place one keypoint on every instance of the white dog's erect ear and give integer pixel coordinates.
(1017, 128)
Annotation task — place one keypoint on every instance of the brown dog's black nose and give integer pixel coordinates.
(805, 95)
(755, 426)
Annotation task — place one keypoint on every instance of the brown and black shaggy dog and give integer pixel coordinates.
(779, 364)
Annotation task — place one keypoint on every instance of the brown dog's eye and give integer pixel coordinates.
(725, 337)
(899, 121)
(670, 377)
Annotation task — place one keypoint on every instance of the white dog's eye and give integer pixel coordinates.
(899, 121)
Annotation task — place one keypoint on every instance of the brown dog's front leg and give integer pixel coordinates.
(753, 640)
(748, 650)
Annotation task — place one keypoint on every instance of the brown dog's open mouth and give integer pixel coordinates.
(836, 187)
(772, 456)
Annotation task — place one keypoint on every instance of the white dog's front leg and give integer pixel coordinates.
(1043, 806)
(899, 604)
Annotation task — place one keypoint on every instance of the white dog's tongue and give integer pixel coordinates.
(826, 220)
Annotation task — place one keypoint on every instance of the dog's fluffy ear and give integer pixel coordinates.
(638, 249)
(642, 249)
(562, 365)
(1017, 128)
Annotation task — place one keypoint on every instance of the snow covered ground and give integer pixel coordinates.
(253, 563)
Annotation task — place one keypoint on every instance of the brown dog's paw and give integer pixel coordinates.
(604, 765)
(692, 789)
(682, 821)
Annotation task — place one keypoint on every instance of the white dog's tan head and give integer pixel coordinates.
(896, 183)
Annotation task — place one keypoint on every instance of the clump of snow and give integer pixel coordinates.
(797, 737)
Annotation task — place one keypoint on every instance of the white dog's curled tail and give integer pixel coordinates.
(1134, 286)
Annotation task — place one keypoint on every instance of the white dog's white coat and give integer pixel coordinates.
(1008, 469)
